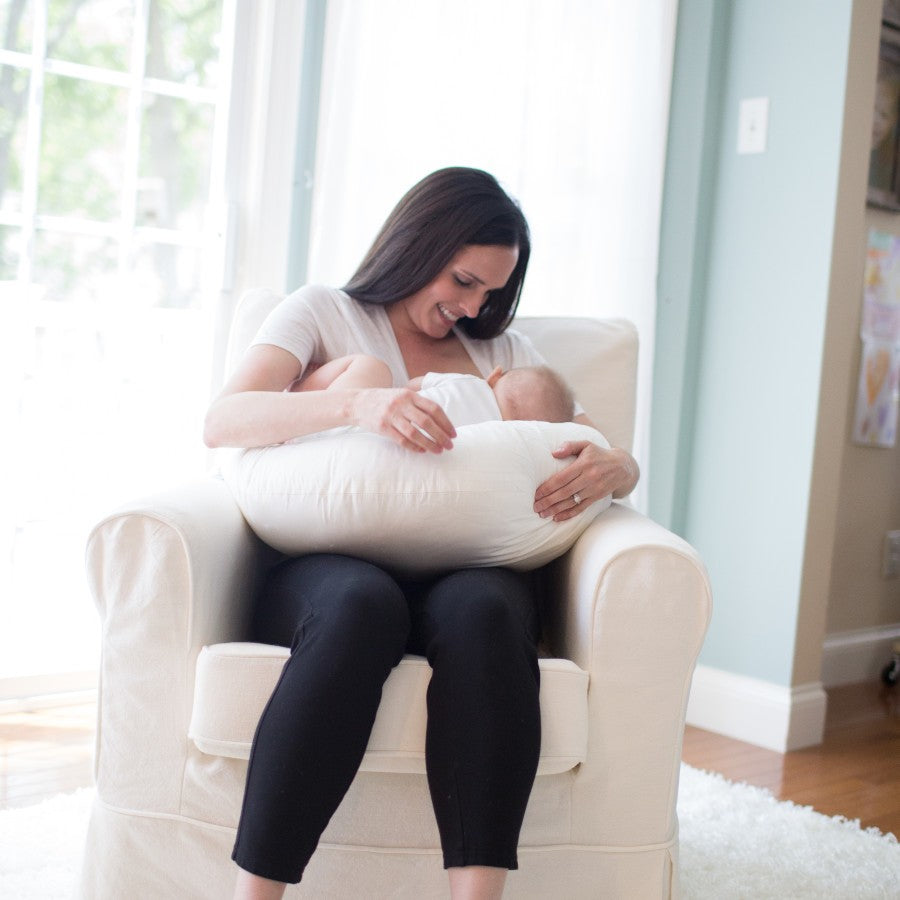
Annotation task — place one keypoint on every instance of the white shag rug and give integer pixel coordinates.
(737, 843)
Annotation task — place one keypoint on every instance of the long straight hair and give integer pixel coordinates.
(446, 211)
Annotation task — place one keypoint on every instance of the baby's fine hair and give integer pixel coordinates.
(538, 393)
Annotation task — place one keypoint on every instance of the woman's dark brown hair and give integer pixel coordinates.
(446, 211)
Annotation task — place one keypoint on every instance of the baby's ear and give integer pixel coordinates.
(495, 376)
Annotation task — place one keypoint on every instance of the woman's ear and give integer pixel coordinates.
(495, 376)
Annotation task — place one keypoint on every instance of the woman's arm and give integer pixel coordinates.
(595, 472)
(255, 410)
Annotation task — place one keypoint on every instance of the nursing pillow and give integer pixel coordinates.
(360, 494)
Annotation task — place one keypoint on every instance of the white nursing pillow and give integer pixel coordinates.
(357, 493)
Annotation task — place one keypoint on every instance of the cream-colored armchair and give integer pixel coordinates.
(180, 693)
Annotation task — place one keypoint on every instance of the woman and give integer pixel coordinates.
(435, 293)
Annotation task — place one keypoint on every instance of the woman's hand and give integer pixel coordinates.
(405, 417)
(595, 473)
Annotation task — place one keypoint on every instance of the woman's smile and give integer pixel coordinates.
(446, 314)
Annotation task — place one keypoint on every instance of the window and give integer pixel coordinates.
(113, 119)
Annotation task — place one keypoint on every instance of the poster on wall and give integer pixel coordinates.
(884, 190)
(878, 389)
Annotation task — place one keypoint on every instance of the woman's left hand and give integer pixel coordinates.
(595, 473)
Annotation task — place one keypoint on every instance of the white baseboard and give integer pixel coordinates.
(854, 657)
(26, 692)
(758, 712)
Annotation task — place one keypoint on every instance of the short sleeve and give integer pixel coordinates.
(294, 324)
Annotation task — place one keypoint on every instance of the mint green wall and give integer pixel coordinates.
(744, 275)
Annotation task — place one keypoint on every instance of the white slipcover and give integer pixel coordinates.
(180, 691)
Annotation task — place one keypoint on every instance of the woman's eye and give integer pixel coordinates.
(462, 282)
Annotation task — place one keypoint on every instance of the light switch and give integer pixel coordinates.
(753, 123)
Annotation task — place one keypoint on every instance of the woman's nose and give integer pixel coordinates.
(471, 305)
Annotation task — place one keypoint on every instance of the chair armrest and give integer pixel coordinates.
(630, 603)
(621, 537)
(168, 574)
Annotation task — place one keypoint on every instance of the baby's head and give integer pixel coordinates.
(532, 393)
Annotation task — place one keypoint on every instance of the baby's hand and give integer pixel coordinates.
(415, 384)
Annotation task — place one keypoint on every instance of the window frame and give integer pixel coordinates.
(125, 231)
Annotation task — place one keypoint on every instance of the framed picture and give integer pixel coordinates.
(884, 177)
(890, 13)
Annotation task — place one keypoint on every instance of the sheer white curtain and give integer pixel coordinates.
(565, 102)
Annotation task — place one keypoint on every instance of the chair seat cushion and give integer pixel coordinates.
(224, 719)
(359, 493)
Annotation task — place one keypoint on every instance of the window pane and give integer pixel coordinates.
(91, 32)
(13, 119)
(110, 373)
(100, 415)
(16, 20)
(10, 250)
(168, 276)
(183, 41)
(176, 151)
(82, 149)
(120, 353)
(73, 267)
(41, 633)
(50, 497)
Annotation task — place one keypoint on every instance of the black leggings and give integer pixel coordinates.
(349, 623)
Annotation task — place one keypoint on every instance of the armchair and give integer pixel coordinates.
(181, 690)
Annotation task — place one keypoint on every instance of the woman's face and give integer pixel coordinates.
(460, 290)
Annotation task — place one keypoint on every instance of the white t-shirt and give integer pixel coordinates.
(318, 324)
(466, 399)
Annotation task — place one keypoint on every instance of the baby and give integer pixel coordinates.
(532, 393)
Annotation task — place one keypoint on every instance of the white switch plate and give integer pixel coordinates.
(890, 564)
(753, 124)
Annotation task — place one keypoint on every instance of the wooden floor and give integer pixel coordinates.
(44, 752)
(854, 773)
